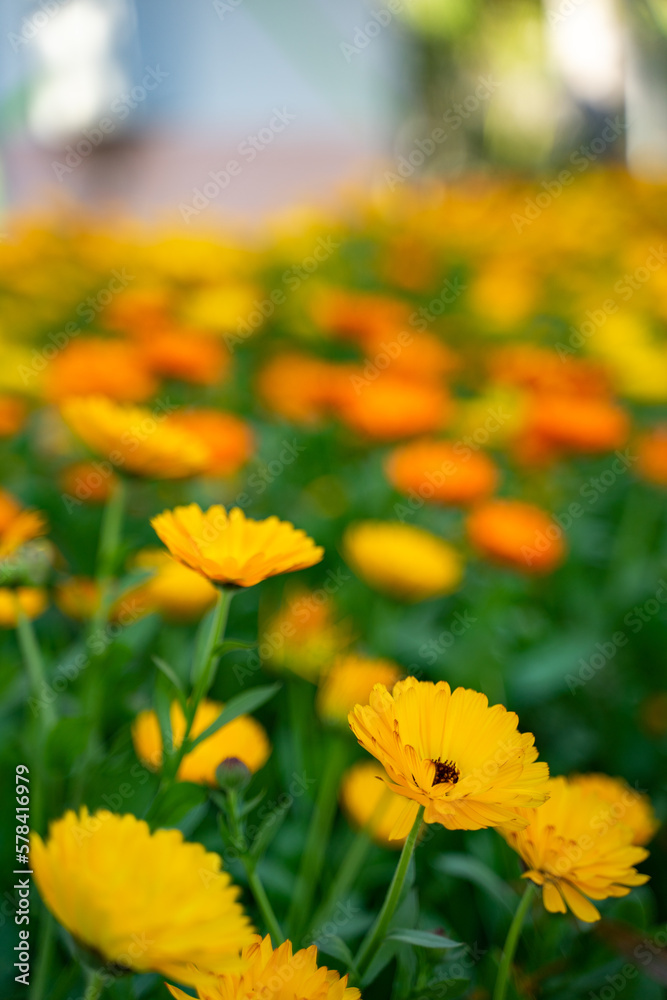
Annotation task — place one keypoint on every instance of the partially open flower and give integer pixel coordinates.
(279, 974)
(405, 562)
(232, 549)
(574, 853)
(464, 760)
(242, 738)
(140, 901)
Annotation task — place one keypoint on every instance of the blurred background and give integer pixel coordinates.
(140, 102)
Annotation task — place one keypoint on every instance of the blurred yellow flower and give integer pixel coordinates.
(33, 601)
(351, 679)
(573, 853)
(279, 974)
(304, 636)
(243, 739)
(405, 562)
(173, 591)
(147, 902)
(135, 440)
(466, 762)
(231, 549)
(369, 804)
(623, 805)
(17, 526)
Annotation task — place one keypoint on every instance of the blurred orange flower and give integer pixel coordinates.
(13, 412)
(442, 472)
(300, 388)
(17, 526)
(516, 534)
(392, 406)
(652, 455)
(184, 354)
(229, 439)
(91, 482)
(111, 368)
(582, 425)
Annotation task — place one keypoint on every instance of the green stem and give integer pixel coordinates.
(93, 695)
(204, 675)
(346, 876)
(44, 953)
(511, 942)
(317, 839)
(250, 866)
(263, 904)
(45, 717)
(94, 986)
(378, 932)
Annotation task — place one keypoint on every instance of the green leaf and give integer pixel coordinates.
(229, 645)
(171, 674)
(163, 710)
(172, 807)
(242, 704)
(467, 867)
(423, 939)
(336, 947)
(448, 988)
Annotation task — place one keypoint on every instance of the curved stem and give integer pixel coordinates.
(317, 838)
(378, 932)
(511, 942)
(94, 986)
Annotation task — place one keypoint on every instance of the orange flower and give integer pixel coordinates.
(570, 423)
(300, 388)
(652, 455)
(358, 315)
(516, 534)
(137, 310)
(90, 482)
(441, 472)
(17, 526)
(78, 597)
(13, 413)
(544, 370)
(186, 355)
(94, 366)
(305, 635)
(228, 438)
(416, 355)
(393, 406)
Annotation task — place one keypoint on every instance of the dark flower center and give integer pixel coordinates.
(446, 772)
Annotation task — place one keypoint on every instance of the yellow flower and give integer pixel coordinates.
(17, 526)
(135, 439)
(623, 805)
(304, 636)
(243, 738)
(32, 600)
(406, 562)
(174, 591)
(351, 680)
(148, 902)
(369, 804)
(449, 751)
(572, 851)
(232, 549)
(276, 974)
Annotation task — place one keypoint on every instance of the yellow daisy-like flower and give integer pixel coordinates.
(573, 853)
(243, 738)
(466, 762)
(279, 974)
(350, 680)
(33, 602)
(406, 562)
(369, 804)
(232, 549)
(623, 805)
(146, 902)
(136, 439)
(173, 591)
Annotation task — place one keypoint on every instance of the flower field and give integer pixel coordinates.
(333, 598)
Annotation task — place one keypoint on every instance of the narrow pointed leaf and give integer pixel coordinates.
(242, 704)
